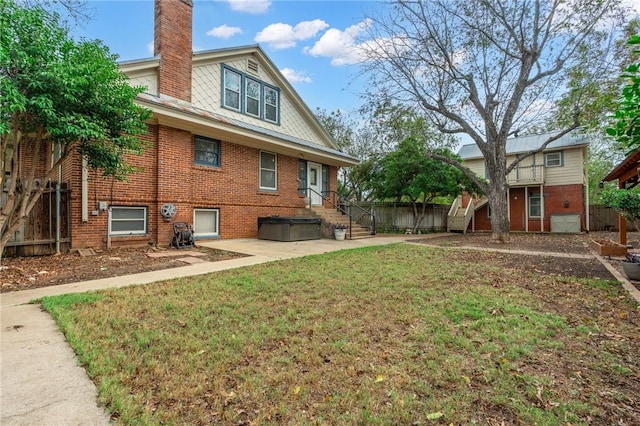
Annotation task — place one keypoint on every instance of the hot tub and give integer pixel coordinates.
(282, 228)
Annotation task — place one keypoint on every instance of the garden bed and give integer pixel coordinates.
(608, 248)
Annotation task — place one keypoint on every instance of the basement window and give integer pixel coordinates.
(128, 221)
(205, 223)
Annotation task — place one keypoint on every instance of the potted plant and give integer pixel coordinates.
(339, 230)
(631, 266)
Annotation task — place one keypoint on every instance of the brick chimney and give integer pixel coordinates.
(172, 41)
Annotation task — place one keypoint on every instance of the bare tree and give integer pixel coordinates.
(484, 68)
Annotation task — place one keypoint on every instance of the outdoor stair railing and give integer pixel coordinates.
(459, 222)
(346, 207)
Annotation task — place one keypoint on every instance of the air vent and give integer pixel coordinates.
(252, 66)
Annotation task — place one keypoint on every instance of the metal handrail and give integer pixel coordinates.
(338, 203)
(351, 205)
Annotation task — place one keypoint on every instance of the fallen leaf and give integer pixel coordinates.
(296, 390)
(379, 378)
(435, 416)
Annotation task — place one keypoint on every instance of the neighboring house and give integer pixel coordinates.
(230, 140)
(548, 191)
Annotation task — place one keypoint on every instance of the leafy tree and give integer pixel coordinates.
(625, 201)
(595, 82)
(58, 96)
(484, 68)
(408, 173)
(626, 128)
(354, 139)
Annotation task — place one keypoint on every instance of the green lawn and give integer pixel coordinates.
(393, 335)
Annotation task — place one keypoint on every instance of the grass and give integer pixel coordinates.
(385, 335)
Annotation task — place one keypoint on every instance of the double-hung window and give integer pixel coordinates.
(535, 205)
(270, 104)
(268, 171)
(232, 85)
(248, 95)
(553, 159)
(207, 151)
(252, 96)
(128, 221)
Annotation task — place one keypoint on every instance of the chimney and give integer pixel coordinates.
(172, 42)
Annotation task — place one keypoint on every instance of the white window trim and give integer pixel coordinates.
(260, 169)
(529, 206)
(206, 234)
(121, 233)
(560, 159)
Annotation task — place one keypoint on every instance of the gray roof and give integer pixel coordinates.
(188, 108)
(528, 143)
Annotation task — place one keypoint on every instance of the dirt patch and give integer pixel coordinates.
(21, 273)
(544, 246)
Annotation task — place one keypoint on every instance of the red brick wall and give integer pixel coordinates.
(554, 203)
(172, 41)
(482, 221)
(170, 176)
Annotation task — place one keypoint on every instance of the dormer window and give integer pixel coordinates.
(270, 104)
(248, 95)
(232, 89)
(252, 97)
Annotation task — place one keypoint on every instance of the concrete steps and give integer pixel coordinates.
(331, 216)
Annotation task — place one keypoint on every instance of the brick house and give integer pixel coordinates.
(230, 140)
(548, 191)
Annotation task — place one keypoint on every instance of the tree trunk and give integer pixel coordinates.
(499, 196)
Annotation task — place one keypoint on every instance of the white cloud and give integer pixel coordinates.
(295, 76)
(224, 31)
(255, 7)
(341, 46)
(284, 36)
(150, 47)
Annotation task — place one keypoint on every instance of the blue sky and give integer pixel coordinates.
(307, 40)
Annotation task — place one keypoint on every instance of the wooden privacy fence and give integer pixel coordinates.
(395, 217)
(604, 218)
(38, 235)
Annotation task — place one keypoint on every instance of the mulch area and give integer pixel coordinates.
(21, 273)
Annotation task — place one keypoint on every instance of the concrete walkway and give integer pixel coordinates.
(41, 382)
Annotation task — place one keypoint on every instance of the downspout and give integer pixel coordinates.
(586, 178)
(541, 208)
(85, 191)
(58, 200)
(109, 228)
(526, 209)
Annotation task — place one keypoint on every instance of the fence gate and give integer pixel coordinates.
(37, 236)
